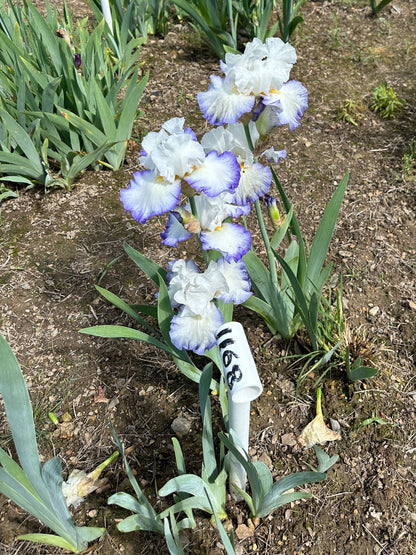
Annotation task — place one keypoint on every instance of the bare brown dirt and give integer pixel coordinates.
(55, 248)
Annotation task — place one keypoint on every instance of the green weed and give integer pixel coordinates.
(350, 111)
(386, 102)
(335, 34)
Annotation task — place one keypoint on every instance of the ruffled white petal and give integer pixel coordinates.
(238, 282)
(241, 147)
(219, 173)
(193, 332)
(180, 273)
(198, 291)
(174, 125)
(262, 66)
(219, 139)
(174, 232)
(233, 139)
(222, 103)
(173, 151)
(181, 269)
(232, 240)
(290, 102)
(254, 182)
(149, 195)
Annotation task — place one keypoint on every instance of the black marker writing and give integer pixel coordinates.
(226, 342)
(234, 375)
(227, 357)
(223, 332)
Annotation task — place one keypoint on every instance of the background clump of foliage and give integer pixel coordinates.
(61, 107)
(385, 102)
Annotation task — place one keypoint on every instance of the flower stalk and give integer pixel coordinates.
(270, 256)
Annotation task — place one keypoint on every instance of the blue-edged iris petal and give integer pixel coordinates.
(174, 232)
(290, 103)
(232, 240)
(222, 103)
(149, 195)
(219, 173)
(237, 280)
(195, 332)
(255, 181)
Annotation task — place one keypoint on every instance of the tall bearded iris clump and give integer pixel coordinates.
(204, 185)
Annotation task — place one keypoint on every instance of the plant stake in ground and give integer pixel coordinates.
(244, 386)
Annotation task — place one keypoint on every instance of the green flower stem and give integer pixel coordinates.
(108, 461)
(265, 237)
(195, 214)
(248, 137)
(319, 401)
(193, 206)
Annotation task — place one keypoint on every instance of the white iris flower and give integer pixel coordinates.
(198, 318)
(170, 156)
(262, 71)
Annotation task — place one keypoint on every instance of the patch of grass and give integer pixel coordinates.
(409, 162)
(335, 34)
(386, 102)
(350, 111)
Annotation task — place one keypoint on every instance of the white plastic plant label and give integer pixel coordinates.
(240, 372)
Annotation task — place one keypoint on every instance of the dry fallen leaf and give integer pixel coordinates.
(317, 431)
(99, 397)
(80, 484)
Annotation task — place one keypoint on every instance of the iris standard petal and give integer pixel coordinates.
(232, 240)
(222, 103)
(174, 125)
(174, 232)
(175, 157)
(181, 269)
(199, 291)
(193, 332)
(290, 103)
(180, 273)
(217, 138)
(233, 139)
(149, 195)
(173, 151)
(255, 181)
(238, 282)
(273, 155)
(219, 173)
(261, 67)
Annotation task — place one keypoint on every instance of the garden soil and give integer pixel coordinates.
(55, 247)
